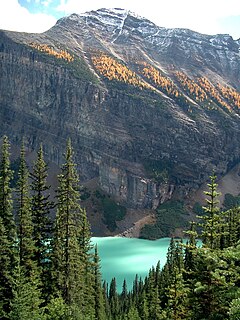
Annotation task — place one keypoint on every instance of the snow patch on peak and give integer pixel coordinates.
(113, 17)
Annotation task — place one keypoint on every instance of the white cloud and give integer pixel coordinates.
(14, 17)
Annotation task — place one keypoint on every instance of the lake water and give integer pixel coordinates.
(123, 258)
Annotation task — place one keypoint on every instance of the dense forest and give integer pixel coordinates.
(50, 270)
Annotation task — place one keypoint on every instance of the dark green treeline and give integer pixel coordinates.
(49, 270)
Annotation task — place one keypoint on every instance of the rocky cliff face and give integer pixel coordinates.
(151, 111)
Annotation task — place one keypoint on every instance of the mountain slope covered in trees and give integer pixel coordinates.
(58, 277)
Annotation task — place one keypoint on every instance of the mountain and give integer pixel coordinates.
(151, 111)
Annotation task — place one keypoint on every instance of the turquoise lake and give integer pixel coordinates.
(123, 258)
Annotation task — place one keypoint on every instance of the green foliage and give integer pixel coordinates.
(6, 203)
(15, 168)
(198, 209)
(57, 309)
(27, 248)
(211, 223)
(234, 311)
(112, 211)
(195, 283)
(41, 206)
(170, 215)
(100, 313)
(159, 170)
(231, 201)
(66, 250)
(26, 303)
(85, 194)
(8, 236)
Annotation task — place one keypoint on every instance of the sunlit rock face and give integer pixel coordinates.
(151, 111)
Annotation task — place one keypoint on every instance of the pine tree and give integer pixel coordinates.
(142, 305)
(8, 237)
(234, 311)
(190, 250)
(176, 289)
(27, 294)
(231, 227)
(98, 291)
(88, 265)
(27, 302)
(132, 314)
(211, 225)
(6, 203)
(124, 298)
(114, 299)
(106, 301)
(24, 218)
(41, 206)
(72, 242)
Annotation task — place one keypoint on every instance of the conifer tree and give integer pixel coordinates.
(113, 299)
(124, 298)
(88, 265)
(71, 243)
(142, 305)
(133, 314)
(26, 294)
(27, 302)
(231, 227)
(97, 289)
(24, 218)
(41, 206)
(106, 301)
(6, 203)
(190, 250)
(8, 238)
(211, 220)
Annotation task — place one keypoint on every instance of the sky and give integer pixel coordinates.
(205, 16)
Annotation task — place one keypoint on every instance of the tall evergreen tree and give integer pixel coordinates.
(27, 302)
(8, 238)
(41, 206)
(231, 227)
(27, 246)
(106, 301)
(114, 299)
(71, 243)
(98, 290)
(27, 294)
(211, 226)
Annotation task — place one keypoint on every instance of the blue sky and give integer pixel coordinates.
(205, 16)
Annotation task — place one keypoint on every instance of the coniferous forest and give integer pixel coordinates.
(49, 269)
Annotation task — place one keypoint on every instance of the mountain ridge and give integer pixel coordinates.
(151, 111)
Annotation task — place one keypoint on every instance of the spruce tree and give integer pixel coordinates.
(114, 299)
(231, 227)
(71, 243)
(8, 237)
(124, 298)
(27, 302)
(106, 301)
(26, 294)
(27, 246)
(6, 203)
(41, 206)
(211, 225)
(98, 290)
